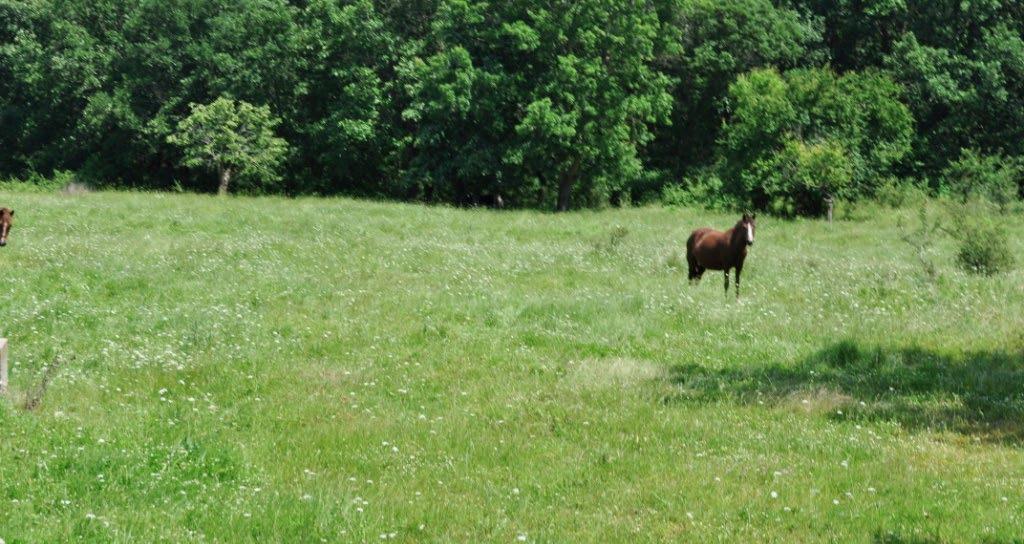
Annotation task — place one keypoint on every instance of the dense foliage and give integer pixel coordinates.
(770, 104)
(796, 139)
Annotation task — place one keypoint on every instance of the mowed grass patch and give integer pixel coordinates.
(326, 369)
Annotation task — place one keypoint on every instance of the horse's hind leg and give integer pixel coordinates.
(726, 281)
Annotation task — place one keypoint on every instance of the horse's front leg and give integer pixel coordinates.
(738, 270)
(726, 281)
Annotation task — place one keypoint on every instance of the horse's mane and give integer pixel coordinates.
(736, 231)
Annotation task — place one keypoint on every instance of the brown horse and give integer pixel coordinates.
(6, 220)
(709, 249)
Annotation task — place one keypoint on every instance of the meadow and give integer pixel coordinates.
(332, 370)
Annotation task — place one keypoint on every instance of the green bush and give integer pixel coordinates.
(900, 193)
(611, 243)
(983, 243)
(37, 183)
(989, 177)
(793, 138)
(984, 250)
(797, 179)
(921, 237)
(705, 190)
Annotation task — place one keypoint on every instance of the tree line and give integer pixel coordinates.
(766, 104)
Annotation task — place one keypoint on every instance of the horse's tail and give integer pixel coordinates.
(691, 242)
(691, 256)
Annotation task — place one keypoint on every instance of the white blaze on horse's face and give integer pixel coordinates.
(750, 234)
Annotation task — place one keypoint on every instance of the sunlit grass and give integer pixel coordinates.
(334, 370)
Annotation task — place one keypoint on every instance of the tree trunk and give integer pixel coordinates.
(564, 190)
(830, 203)
(225, 179)
(565, 186)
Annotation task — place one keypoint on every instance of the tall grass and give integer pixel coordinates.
(331, 370)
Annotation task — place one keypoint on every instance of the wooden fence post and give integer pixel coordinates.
(3, 366)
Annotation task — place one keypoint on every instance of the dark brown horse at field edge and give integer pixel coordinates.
(6, 220)
(709, 249)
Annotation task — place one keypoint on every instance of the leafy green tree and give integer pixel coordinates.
(54, 65)
(231, 137)
(795, 138)
(100, 85)
(859, 33)
(547, 103)
(705, 45)
(597, 100)
(959, 62)
(345, 123)
(251, 50)
(141, 92)
(442, 157)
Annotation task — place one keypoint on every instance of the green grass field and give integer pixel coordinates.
(314, 370)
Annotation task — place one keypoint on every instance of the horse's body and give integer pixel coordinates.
(6, 221)
(709, 249)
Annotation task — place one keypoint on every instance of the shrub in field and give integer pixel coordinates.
(983, 248)
(989, 177)
(613, 241)
(922, 237)
(897, 193)
(704, 190)
(982, 240)
(36, 183)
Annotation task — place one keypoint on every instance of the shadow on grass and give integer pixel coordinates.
(979, 394)
(892, 538)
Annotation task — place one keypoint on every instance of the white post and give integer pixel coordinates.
(3, 366)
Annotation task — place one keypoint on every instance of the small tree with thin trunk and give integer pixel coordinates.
(232, 138)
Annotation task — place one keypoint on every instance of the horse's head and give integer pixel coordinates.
(746, 228)
(6, 220)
